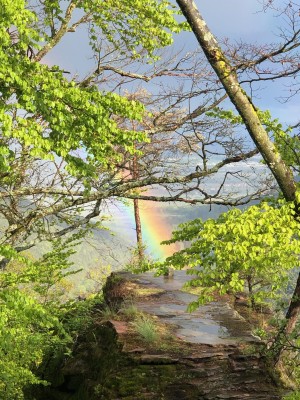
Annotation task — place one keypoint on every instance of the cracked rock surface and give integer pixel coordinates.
(209, 354)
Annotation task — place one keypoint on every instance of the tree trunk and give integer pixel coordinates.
(239, 98)
(138, 228)
(247, 111)
(250, 290)
(294, 309)
(288, 327)
(137, 217)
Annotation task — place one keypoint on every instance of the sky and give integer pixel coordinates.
(245, 20)
(236, 18)
(249, 23)
(233, 19)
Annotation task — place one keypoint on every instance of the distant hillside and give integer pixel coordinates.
(112, 248)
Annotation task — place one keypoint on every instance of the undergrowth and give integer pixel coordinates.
(147, 329)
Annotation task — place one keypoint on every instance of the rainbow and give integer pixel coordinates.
(155, 229)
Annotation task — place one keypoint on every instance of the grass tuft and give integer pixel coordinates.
(130, 311)
(108, 314)
(147, 329)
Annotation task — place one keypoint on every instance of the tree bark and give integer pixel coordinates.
(281, 172)
(138, 228)
(294, 310)
(291, 318)
(239, 98)
(137, 217)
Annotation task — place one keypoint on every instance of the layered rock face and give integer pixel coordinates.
(209, 354)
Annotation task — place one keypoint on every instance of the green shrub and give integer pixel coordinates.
(108, 313)
(27, 331)
(292, 396)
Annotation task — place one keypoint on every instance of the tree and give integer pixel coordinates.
(66, 140)
(85, 168)
(272, 156)
(237, 250)
(43, 194)
(55, 132)
(47, 115)
(63, 151)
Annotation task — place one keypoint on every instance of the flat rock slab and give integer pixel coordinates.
(199, 358)
(207, 362)
(216, 323)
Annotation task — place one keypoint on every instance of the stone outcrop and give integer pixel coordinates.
(112, 361)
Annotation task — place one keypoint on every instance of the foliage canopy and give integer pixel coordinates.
(255, 248)
(50, 115)
(45, 115)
